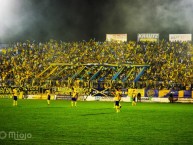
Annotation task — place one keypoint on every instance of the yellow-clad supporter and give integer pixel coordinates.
(74, 97)
(31, 59)
(15, 97)
(134, 98)
(48, 96)
(117, 99)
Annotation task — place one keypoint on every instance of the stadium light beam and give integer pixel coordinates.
(11, 17)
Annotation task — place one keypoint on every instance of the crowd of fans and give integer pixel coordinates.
(170, 63)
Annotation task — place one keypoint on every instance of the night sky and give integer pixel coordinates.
(77, 20)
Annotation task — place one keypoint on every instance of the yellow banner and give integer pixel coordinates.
(64, 90)
(116, 37)
(20, 95)
(67, 90)
(136, 91)
(163, 93)
(181, 94)
(148, 39)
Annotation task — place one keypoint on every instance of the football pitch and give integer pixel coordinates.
(34, 122)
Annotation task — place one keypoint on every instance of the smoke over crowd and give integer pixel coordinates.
(73, 20)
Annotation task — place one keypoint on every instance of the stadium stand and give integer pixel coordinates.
(59, 64)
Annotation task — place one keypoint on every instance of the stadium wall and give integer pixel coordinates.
(147, 95)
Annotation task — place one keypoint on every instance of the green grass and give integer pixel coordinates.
(96, 123)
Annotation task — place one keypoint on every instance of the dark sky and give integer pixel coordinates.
(77, 20)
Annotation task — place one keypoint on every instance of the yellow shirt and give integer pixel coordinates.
(47, 92)
(117, 96)
(14, 92)
(74, 94)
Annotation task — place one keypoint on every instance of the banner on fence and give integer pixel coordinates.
(151, 93)
(180, 37)
(136, 92)
(185, 100)
(116, 37)
(33, 97)
(164, 93)
(62, 97)
(150, 37)
(6, 96)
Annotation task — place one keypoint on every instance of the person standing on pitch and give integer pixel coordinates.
(117, 99)
(139, 97)
(133, 98)
(171, 97)
(74, 97)
(48, 96)
(14, 97)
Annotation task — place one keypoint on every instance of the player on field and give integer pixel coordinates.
(74, 97)
(117, 99)
(15, 97)
(48, 96)
(171, 97)
(139, 97)
(134, 98)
